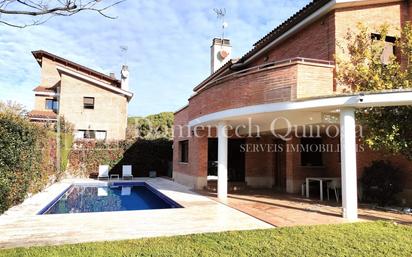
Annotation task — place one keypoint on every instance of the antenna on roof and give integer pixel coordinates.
(124, 49)
(220, 14)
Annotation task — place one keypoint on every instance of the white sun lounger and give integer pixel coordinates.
(103, 172)
(127, 171)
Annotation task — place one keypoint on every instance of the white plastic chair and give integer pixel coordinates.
(334, 185)
(103, 172)
(127, 171)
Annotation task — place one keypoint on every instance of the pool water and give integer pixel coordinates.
(115, 197)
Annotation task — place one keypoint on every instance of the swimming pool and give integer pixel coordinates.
(117, 196)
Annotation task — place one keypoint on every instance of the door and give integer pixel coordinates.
(236, 159)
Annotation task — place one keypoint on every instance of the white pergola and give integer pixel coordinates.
(344, 105)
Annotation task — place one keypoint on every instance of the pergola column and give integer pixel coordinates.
(222, 160)
(348, 163)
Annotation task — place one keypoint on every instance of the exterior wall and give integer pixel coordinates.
(295, 172)
(314, 41)
(332, 168)
(270, 85)
(372, 17)
(319, 40)
(109, 113)
(267, 85)
(193, 173)
(314, 81)
(364, 159)
(259, 165)
(40, 102)
(49, 74)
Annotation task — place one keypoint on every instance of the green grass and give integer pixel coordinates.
(358, 239)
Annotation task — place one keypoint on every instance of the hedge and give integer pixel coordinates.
(144, 155)
(27, 159)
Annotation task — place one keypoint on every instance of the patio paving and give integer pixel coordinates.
(283, 210)
(20, 226)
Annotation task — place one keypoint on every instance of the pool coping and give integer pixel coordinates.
(22, 227)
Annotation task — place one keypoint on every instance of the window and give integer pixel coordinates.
(311, 154)
(90, 134)
(88, 102)
(389, 48)
(52, 104)
(100, 135)
(184, 151)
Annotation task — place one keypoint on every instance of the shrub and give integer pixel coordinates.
(65, 131)
(147, 155)
(381, 182)
(26, 158)
(144, 155)
(87, 155)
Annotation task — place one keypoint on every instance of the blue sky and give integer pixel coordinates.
(168, 46)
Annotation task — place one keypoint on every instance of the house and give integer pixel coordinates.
(95, 103)
(266, 99)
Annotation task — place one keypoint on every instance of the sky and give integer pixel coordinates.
(168, 45)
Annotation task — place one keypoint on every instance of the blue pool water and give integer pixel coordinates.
(115, 197)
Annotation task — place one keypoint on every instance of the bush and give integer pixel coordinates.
(144, 155)
(147, 155)
(27, 160)
(86, 156)
(381, 182)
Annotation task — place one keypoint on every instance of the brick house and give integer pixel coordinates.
(95, 103)
(289, 74)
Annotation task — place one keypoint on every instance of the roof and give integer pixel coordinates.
(44, 89)
(42, 115)
(39, 54)
(270, 37)
(216, 73)
(291, 21)
(96, 82)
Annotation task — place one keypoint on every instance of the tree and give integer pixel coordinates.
(366, 70)
(12, 108)
(44, 10)
(151, 127)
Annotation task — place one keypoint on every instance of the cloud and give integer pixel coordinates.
(168, 46)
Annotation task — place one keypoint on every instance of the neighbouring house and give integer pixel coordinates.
(288, 74)
(95, 103)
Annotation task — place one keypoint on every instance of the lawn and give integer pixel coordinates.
(357, 239)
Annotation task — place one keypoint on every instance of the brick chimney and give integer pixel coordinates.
(124, 74)
(220, 52)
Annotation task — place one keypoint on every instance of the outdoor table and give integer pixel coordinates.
(321, 180)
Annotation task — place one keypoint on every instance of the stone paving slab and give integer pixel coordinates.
(21, 226)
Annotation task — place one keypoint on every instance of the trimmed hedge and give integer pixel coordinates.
(27, 159)
(144, 155)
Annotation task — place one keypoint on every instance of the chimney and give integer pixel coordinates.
(124, 74)
(220, 53)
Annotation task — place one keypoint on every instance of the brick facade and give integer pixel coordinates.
(260, 82)
(279, 83)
